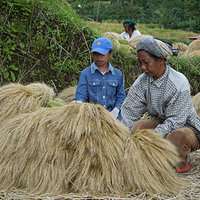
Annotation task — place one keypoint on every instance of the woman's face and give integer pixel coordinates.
(152, 67)
(126, 28)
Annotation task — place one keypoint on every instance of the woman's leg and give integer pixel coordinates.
(186, 141)
(144, 124)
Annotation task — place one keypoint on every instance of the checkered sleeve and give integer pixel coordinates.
(176, 112)
(134, 104)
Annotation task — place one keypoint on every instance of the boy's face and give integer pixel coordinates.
(101, 59)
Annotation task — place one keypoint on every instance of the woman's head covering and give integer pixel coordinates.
(130, 21)
(154, 46)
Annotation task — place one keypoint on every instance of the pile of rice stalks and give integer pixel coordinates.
(80, 149)
(133, 42)
(182, 48)
(196, 103)
(193, 48)
(68, 94)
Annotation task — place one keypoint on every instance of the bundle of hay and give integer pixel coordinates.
(15, 99)
(194, 53)
(43, 92)
(64, 149)
(123, 41)
(67, 95)
(196, 103)
(182, 48)
(193, 46)
(126, 48)
(112, 36)
(80, 148)
(134, 41)
(152, 159)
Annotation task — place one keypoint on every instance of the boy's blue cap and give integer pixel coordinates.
(102, 46)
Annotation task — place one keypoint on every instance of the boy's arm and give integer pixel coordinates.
(82, 89)
(121, 95)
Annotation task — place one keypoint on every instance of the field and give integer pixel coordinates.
(151, 29)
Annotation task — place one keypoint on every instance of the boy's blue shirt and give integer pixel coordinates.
(107, 90)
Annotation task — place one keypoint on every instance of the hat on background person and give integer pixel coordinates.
(102, 46)
(129, 21)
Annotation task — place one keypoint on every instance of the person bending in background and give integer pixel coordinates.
(101, 83)
(130, 30)
(165, 94)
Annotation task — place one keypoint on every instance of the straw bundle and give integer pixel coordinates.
(67, 94)
(196, 103)
(126, 48)
(79, 148)
(182, 48)
(91, 158)
(123, 41)
(15, 99)
(152, 160)
(43, 92)
(112, 36)
(193, 46)
(194, 53)
(133, 42)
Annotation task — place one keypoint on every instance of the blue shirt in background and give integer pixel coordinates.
(105, 89)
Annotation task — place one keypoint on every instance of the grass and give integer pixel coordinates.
(145, 29)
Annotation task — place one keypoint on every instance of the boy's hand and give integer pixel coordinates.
(115, 112)
(76, 101)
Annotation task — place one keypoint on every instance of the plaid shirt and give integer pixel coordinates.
(167, 98)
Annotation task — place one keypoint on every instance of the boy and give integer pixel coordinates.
(101, 83)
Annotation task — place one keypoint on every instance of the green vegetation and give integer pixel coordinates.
(47, 41)
(42, 41)
(179, 14)
(145, 29)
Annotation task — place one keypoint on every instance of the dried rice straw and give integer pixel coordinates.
(44, 93)
(82, 148)
(153, 160)
(68, 94)
(74, 148)
(15, 99)
(196, 103)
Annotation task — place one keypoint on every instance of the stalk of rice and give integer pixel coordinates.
(73, 148)
(43, 92)
(123, 41)
(15, 99)
(82, 148)
(151, 160)
(193, 46)
(194, 53)
(68, 94)
(112, 36)
(134, 41)
(182, 48)
(126, 48)
(196, 103)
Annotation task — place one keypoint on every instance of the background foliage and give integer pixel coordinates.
(179, 14)
(47, 41)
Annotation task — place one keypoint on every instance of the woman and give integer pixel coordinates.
(165, 94)
(129, 29)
